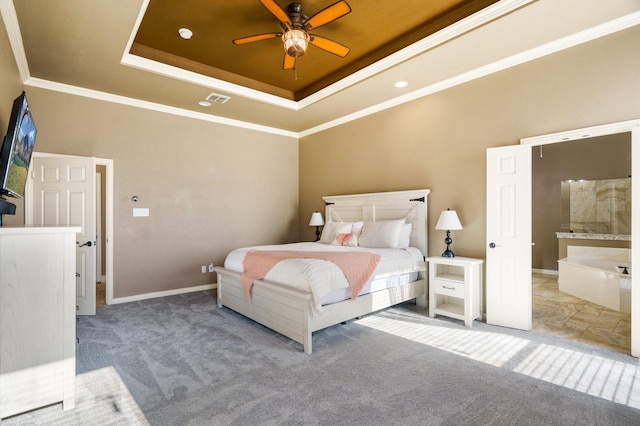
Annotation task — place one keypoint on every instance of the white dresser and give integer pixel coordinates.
(37, 318)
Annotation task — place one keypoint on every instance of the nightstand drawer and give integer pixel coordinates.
(448, 288)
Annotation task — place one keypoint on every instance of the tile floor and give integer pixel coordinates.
(101, 294)
(561, 314)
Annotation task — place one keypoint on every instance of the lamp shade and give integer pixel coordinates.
(448, 221)
(316, 219)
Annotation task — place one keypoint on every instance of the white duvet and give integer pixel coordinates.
(323, 278)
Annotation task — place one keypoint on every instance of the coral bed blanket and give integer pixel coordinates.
(357, 267)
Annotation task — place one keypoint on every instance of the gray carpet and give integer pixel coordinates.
(182, 361)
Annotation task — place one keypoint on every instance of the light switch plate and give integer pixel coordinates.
(140, 212)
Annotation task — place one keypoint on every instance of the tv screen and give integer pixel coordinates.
(17, 148)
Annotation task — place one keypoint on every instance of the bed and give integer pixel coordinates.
(295, 311)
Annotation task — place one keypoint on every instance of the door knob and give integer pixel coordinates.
(493, 245)
(88, 244)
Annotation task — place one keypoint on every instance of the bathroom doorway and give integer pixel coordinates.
(602, 155)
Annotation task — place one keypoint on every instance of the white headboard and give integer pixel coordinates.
(410, 205)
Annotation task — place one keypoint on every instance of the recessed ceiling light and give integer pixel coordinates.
(204, 103)
(400, 84)
(185, 33)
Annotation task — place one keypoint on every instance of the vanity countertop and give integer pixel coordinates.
(588, 236)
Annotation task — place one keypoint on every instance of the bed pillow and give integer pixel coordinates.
(405, 236)
(356, 228)
(346, 240)
(331, 229)
(385, 233)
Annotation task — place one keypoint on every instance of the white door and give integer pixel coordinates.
(64, 194)
(509, 236)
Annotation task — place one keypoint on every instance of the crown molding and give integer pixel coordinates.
(10, 18)
(137, 103)
(567, 42)
(587, 132)
(13, 30)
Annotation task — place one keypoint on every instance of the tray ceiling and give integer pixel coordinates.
(109, 50)
(372, 30)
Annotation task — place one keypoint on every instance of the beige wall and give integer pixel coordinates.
(439, 142)
(594, 158)
(209, 188)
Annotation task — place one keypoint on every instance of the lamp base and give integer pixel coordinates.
(317, 233)
(448, 253)
(448, 241)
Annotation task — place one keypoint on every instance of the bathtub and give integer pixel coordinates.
(597, 274)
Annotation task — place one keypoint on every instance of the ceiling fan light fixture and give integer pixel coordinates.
(295, 42)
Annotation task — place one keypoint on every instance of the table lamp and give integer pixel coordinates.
(448, 221)
(317, 221)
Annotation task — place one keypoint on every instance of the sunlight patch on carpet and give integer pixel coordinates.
(593, 375)
(102, 398)
(491, 348)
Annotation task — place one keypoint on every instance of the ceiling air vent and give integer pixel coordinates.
(215, 98)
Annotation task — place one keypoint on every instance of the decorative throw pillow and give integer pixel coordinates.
(348, 240)
(385, 233)
(331, 229)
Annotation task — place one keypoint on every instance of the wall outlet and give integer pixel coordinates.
(204, 269)
(211, 267)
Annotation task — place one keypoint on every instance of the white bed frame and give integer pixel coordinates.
(288, 310)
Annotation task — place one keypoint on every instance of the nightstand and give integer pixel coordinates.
(455, 288)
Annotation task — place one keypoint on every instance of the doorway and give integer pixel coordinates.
(508, 232)
(632, 128)
(106, 169)
(579, 187)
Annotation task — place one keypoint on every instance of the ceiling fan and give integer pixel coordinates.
(295, 30)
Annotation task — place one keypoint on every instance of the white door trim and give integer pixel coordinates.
(109, 179)
(108, 220)
(100, 277)
(632, 126)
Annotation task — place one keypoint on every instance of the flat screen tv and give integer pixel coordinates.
(17, 148)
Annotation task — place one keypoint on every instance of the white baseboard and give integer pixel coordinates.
(545, 271)
(165, 293)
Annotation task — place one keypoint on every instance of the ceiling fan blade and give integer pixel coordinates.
(277, 11)
(328, 14)
(258, 37)
(289, 62)
(329, 45)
